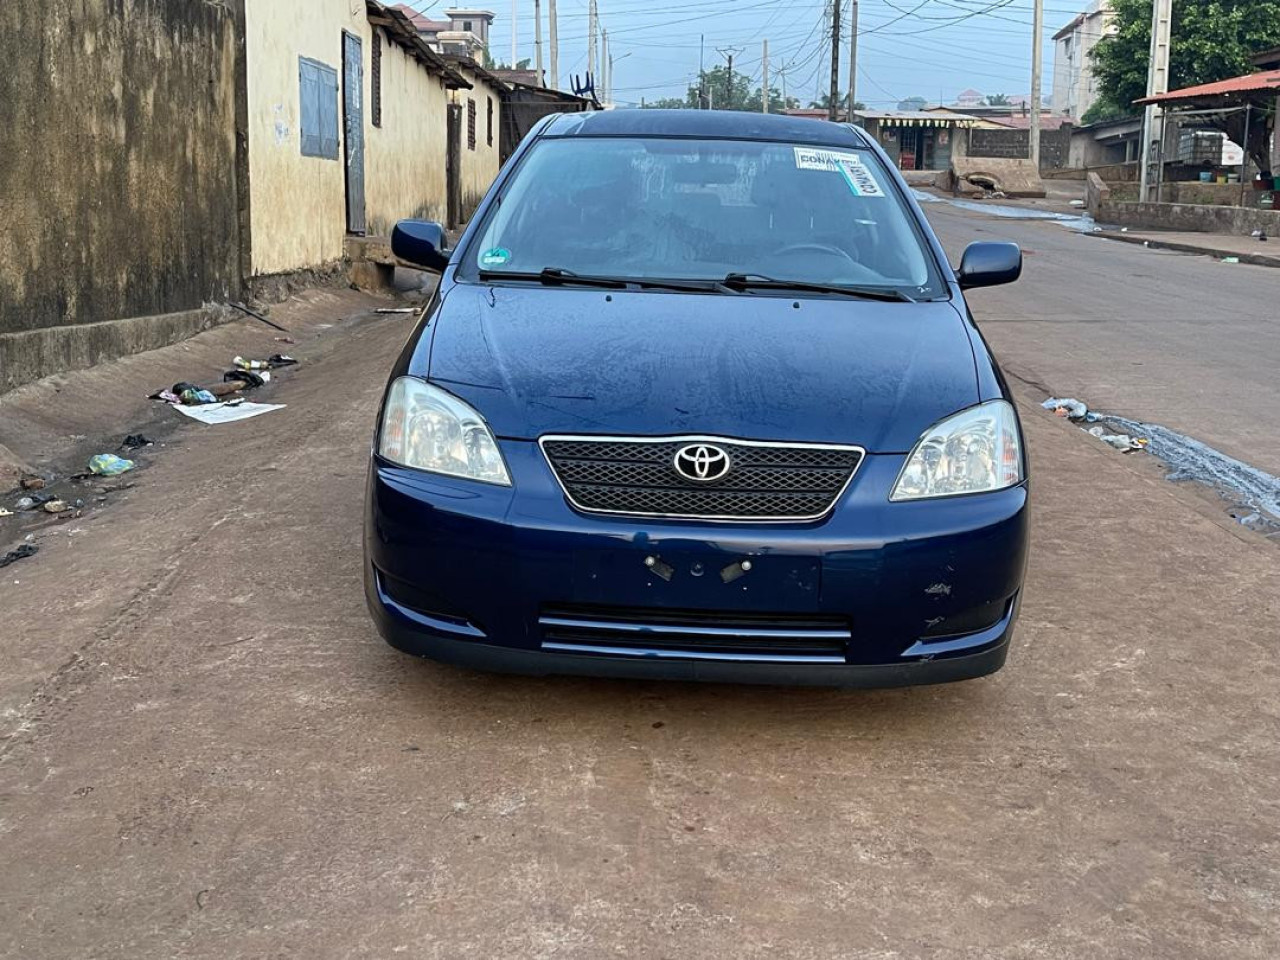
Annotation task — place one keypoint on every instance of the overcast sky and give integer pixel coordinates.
(933, 49)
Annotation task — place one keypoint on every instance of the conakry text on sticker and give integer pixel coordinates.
(850, 165)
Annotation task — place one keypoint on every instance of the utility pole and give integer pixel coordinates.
(853, 58)
(555, 45)
(591, 40)
(833, 98)
(605, 72)
(764, 86)
(537, 41)
(1157, 83)
(515, 9)
(702, 72)
(782, 72)
(728, 53)
(1037, 65)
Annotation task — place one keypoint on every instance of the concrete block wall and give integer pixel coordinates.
(1192, 218)
(119, 185)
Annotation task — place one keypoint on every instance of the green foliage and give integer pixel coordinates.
(720, 91)
(1104, 110)
(841, 103)
(1212, 40)
(912, 103)
(998, 100)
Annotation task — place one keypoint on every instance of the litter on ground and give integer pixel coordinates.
(109, 465)
(21, 553)
(214, 413)
(1071, 409)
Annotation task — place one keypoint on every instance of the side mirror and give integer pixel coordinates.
(422, 243)
(989, 265)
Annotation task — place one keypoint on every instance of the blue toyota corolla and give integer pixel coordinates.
(699, 397)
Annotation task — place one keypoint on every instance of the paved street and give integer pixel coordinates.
(208, 752)
(1184, 341)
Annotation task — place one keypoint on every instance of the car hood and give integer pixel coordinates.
(536, 360)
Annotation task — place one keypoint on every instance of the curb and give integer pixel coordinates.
(1256, 259)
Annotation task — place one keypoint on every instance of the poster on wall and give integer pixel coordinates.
(944, 137)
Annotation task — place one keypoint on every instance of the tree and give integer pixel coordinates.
(719, 91)
(998, 100)
(823, 103)
(912, 104)
(1211, 41)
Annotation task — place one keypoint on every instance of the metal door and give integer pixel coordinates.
(453, 164)
(353, 129)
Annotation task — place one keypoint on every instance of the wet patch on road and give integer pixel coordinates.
(1080, 222)
(1254, 494)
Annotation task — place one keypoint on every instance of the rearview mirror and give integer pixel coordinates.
(422, 243)
(989, 265)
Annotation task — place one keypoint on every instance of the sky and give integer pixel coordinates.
(928, 48)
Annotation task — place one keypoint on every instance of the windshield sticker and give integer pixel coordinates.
(814, 158)
(859, 178)
(850, 165)
(495, 257)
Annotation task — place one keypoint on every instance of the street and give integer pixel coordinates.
(208, 752)
(1178, 340)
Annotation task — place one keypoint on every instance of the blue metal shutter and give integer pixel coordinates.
(318, 93)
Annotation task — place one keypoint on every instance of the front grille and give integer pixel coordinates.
(623, 631)
(766, 481)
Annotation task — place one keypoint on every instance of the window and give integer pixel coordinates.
(700, 209)
(471, 124)
(318, 99)
(466, 25)
(375, 83)
(489, 122)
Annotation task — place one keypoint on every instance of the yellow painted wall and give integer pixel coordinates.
(405, 166)
(298, 214)
(298, 204)
(479, 166)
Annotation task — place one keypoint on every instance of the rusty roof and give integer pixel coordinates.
(400, 29)
(1237, 87)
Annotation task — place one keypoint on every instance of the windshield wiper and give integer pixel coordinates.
(757, 281)
(555, 276)
(558, 276)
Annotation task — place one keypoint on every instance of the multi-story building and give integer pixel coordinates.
(1075, 88)
(465, 33)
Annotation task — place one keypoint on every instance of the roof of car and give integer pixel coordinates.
(710, 124)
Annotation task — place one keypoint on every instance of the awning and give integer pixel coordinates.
(1237, 88)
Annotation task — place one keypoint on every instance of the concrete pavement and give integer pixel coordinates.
(1245, 249)
(208, 752)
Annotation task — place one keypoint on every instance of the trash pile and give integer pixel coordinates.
(222, 402)
(1078, 412)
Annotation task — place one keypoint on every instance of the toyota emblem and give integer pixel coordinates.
(702, 462)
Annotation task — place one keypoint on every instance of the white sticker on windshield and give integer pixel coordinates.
(861, 181)
(859, 178)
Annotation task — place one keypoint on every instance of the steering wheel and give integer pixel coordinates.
(814, 248)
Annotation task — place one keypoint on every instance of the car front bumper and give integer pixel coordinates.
(485, 576)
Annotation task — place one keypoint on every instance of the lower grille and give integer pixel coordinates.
(762, 482)
(694, 633)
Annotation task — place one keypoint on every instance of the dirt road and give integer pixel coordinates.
(209, 753)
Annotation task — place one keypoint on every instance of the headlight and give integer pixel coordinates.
(974, 451)
(427, 428)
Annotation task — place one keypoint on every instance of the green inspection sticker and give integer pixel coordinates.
(495, 257)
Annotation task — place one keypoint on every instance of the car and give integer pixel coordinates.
(699, 396)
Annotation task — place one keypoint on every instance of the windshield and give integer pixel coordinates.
(701, 210)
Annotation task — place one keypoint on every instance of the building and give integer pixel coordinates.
(347, 110)
(220, 143)
(917, 139)
(970, 98)
(465, 33)
(475, 134)
(1075, 89)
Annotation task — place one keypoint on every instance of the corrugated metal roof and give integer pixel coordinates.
(1250, 83)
